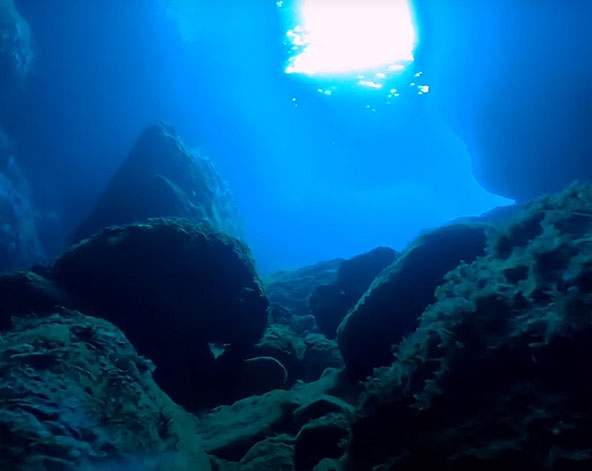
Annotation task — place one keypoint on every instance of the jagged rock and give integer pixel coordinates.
(271, 454)
(355, 275)
(162, 177)
(391, 308)
(291, 288)
(279, 314)
(282, 343)
(27, 293)
(228, 432)
(302, 325)
(304, 356)
(330, 305)
(325, 437)
(494, 375)
(322, 406)
(321, 353)
(173, 287)
(240, 432)
(76, 396)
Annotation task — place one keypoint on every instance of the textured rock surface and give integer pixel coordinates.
(264, 430)
(75, 395)
(162, 177)
(27, 293)
(173, 287)
(291, 288)
(391, 307)
(493, 377)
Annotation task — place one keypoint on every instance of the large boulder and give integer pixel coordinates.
(173, 287)
(162, 177)
(391, 307)
(331, 302)
(77, 396)
(496, 375)
(355, 275)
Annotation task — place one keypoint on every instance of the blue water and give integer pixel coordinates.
(322, 165)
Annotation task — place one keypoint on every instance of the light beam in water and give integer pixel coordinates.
(340, 37)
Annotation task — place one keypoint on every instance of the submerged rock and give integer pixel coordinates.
(162, 177)
(26, 293)
(355, 275)
(173, 287)
(496, 373)
(291, 288)
(391, 308)
(279, 421)
(76, 396)
(331, 302)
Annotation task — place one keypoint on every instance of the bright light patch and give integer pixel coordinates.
(358, 35)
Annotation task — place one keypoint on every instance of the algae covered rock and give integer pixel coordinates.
(391, 307)
(173, 287)
(251, 431)
(496, 373)
(75, 395)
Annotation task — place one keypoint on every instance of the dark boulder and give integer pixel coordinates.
(329, 305)
(390, 309)
(330, 302)
(355, 275)
(173, 287)
(26, 293)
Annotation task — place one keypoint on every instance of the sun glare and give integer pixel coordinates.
(354, 36)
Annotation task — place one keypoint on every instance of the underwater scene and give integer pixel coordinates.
(295, 235)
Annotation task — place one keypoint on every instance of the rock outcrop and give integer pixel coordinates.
(331, 302)
(494, 375)
(162, 177)
(77, 396)
(172, 286)
(390, 309)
